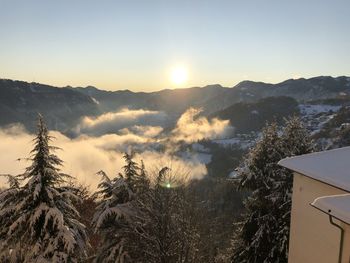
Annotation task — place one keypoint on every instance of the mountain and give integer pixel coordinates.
(252, 116)
(214, 98)
(174, 102)
(63, 107)
(302, 90)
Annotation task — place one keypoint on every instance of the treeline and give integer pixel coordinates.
(158, 216)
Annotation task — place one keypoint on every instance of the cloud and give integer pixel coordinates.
(191, 127)
(95, 148)
(84, 156)
(146, 131)
(112, 122)
(185, 168)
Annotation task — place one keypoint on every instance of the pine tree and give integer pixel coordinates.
(38, 221)
(258, 174)
(295, 138)
(113, 214)
(131, 169)
(119, 215)
(295, 141)
(264, 234)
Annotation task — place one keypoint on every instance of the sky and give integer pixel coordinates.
(136, 45)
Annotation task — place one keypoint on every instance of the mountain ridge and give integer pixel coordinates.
(20, 101)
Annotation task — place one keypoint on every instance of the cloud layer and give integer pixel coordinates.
(112, 122)
(191, 127)
(101, 141)
(84, 156)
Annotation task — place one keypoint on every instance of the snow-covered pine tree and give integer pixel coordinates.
(38, 221)
(295, 141)
(111, 220)
(258, 173)
(8, 197)
(118, 217)
(265, 230)
(131, 169)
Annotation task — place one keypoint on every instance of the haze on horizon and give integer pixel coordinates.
(136, 44)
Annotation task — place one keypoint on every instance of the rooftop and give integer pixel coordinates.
(331, 167)
(336, 205)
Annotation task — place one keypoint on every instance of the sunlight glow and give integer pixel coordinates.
(179, 75)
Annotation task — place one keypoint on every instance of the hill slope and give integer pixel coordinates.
(62, 107)
(252, 116)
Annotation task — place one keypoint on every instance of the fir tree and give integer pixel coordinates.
(113, 213)
(38, 220)
(295, 141)
(118, 215)
(257, 175)
(264, 234)
(131, 169)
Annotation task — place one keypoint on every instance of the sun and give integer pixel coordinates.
(179, 75)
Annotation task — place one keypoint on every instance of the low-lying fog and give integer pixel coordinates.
(101, 141)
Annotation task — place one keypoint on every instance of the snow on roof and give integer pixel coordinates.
(331, 167)
(335, 205)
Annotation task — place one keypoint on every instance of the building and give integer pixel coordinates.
(320, 217)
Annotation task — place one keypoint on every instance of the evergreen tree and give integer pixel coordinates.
(170, 229)
(131, 169)
(258, 174)
(118, 217)
(295, 141)
(38, 221)
(140, 222)
(113, 214)
(264, 232)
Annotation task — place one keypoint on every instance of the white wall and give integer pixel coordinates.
(313, 239)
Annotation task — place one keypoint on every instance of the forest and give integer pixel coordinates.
(152, 214)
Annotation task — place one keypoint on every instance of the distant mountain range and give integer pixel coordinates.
(213, 98)
(63, 107)
(22, 101)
